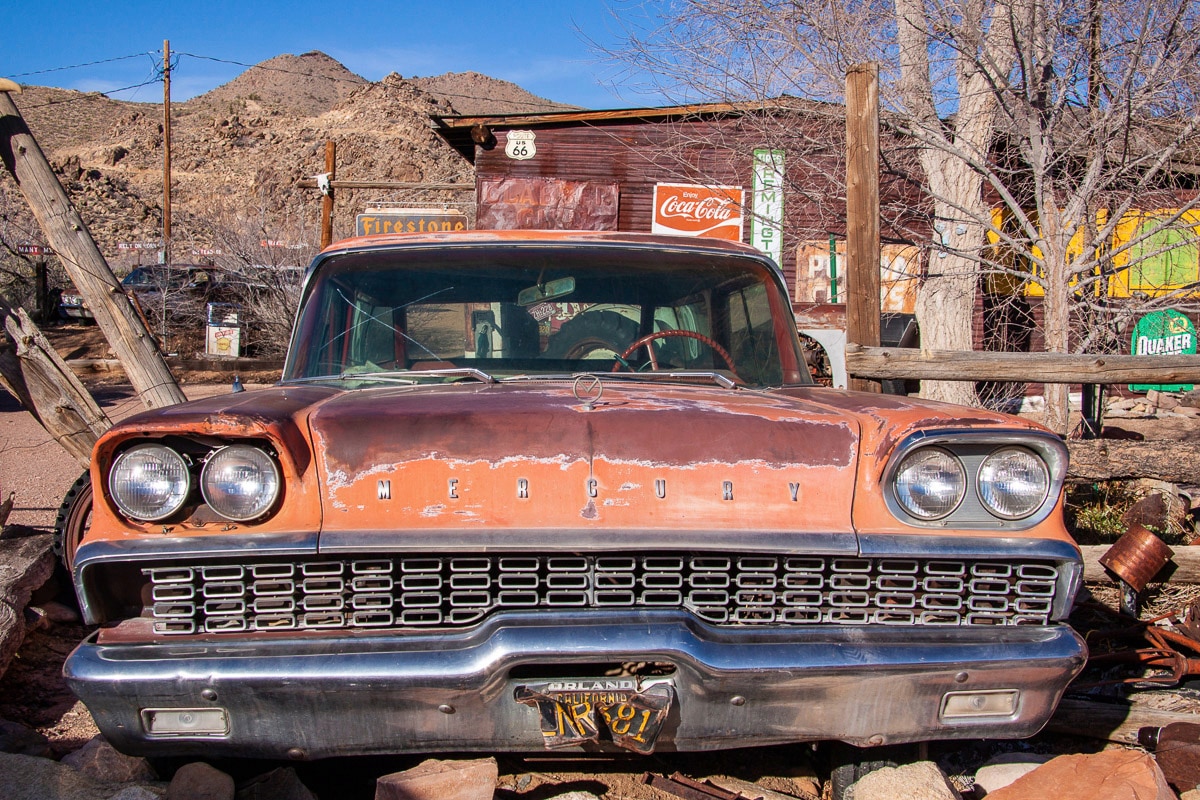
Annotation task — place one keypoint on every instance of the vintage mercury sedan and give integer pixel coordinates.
(531, 490)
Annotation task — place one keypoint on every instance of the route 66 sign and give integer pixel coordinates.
(520, 145)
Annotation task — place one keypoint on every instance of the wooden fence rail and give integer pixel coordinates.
(897, 363)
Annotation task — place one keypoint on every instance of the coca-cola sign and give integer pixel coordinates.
(686, 210)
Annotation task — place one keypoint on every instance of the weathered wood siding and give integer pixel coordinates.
(635, 154)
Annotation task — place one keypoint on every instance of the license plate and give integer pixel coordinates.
(576, 711)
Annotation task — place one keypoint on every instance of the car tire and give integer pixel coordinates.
(592, 331)
(73, 520)
(848, 764)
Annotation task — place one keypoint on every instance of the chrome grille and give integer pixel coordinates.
(726, 590)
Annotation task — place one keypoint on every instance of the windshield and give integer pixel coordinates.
(544, 310)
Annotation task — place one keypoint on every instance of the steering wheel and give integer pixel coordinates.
(668, 334)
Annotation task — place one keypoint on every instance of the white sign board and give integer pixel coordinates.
(766, 221)
(520, 145)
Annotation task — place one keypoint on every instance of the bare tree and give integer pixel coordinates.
(1039, 128)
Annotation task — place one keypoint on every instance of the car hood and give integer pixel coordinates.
(644, 462)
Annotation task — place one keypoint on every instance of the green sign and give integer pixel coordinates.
(1163, 333)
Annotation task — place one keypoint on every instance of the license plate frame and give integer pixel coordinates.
(576, 711)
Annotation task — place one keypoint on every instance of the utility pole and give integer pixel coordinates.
(327, 194)
(166, 220)
(862, 211)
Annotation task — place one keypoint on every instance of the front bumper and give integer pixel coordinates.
(314, 698)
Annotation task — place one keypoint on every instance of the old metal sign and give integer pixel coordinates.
(409, 220)
(520, 145)
(1163, 333)
(766, 224)
(34, 250)
(713, 212)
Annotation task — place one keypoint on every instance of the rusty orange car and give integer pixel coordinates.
(575, 491)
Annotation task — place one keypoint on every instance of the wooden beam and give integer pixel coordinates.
(310, 183)
(1170, 460)
(862, 212)
(32, 371)
(891, 363)
(66, 232)
(1114, 722)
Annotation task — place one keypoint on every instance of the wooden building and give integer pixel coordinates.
(745, 171)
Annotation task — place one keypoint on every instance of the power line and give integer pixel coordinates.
(177, 55)
(79, 66)
(359, 82)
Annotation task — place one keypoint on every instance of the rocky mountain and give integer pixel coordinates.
(238, 151)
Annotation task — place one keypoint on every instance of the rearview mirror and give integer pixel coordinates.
(550, 290)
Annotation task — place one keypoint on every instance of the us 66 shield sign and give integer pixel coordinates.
(520, 145)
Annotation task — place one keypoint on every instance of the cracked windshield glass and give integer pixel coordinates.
(456, 313)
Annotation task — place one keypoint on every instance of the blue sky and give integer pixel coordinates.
(538, 45)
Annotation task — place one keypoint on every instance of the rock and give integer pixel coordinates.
(136, 793)
(1116, 774)
(21, 739)
(920, 781)
(199, 781)
(100, 760)
(754, 791)
(1149, 512)
(29, 778)
(1005, 769)
(278, 784)
(441, 780)
(573, 796)
(25, 564)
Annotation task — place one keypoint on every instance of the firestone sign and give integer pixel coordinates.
(1163, 333)
(713, 212)
(400, 220)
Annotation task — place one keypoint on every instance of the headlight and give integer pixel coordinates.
(149, 482)
(240, 482)
(1013, 482)
(930, 483)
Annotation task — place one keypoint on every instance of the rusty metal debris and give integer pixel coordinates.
(688, 789)
(1176, 748)
(1172, 653)
(1135, 559)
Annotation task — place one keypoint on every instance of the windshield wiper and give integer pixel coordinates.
(716, 377)
(406, 377)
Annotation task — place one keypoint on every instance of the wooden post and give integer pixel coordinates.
(862, 211)
(34, 373)
(166, 220)
(327, 198)
(66, 232)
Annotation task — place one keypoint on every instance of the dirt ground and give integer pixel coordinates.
(38, 473)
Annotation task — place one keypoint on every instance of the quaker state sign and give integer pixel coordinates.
(1163, 333)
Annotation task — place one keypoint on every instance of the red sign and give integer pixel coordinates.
(714, 212)
(34, 250)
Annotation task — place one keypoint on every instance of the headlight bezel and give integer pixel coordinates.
(972, 446)
(195, 452)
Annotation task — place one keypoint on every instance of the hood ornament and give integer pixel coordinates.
(588, 390)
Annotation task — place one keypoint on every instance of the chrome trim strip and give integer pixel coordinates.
(1049, 446)
(496, 541)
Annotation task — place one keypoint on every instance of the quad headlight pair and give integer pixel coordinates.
(151, 482)
(1011, 483)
